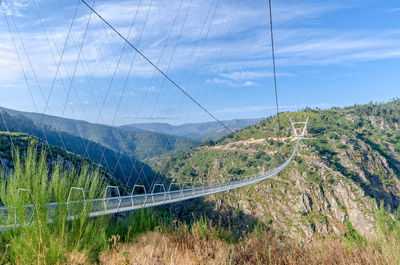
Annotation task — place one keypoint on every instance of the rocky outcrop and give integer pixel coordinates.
(347, 166)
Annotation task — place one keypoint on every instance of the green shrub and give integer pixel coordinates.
(43, 238)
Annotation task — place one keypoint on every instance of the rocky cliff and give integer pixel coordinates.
(348, 164)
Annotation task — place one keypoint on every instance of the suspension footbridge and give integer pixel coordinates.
(174, 192)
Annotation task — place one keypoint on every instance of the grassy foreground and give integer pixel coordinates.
(153, 237)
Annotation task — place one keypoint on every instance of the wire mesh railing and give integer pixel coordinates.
(113, 203)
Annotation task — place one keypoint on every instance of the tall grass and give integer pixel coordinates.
(201, 242)
(388, 226)
(43, 237)
(47, 235)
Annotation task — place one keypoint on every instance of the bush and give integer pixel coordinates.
(44, 238)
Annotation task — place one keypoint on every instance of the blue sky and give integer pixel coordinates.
(329, 53)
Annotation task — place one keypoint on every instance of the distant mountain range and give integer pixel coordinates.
(122, 166)
(198, 131)
(139, 143)
(121, 150)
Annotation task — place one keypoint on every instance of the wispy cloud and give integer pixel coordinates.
(397, 9)
(230, 83)
(246, 46)
(233, 51)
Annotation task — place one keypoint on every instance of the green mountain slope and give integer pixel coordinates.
(21, 142)
(125, 168)
(198, 131)
(347, 165)
(141, 144)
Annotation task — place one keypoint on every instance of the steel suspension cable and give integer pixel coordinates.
(38, 84)
(25, 78)
(155, 71)
(156, 67)
(118, 157)
(274, 66)
(131, 67)
(104, 68)
(77, 62)
(61, 59)
(84, 141)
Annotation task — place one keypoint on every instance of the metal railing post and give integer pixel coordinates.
(69, 197)
(105, 194)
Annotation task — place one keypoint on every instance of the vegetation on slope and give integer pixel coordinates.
(124, 167)
(41, 238)
(215, 240)
(201, 242)
(199, 131)
(139, 144)
(347, 165)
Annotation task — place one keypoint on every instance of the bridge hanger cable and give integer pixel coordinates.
(211, 14)
(206, 30)
(228, 29)
(61, 59)
(131, 68)
(99, 54)
(102, 159)
(170, 62)
(191, 56)
(26, 82)
(157, 68)
(85, 142)
(110, 84)
(139, 172)
(133, 168)
(103, 64)
(274, 66)
(153, 76)
(77, 62)
(39, 86)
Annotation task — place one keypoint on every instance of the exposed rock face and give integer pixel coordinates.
(339, 175)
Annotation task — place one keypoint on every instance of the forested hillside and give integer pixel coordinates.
(15, 144)
(126, 168)
(338, 199)
(347, 165)
(139, 143)
(198, 131)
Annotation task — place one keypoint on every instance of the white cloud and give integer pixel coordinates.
(246, 75)
(237, 59)
(249, 83)
(219, 81)
(247, 47)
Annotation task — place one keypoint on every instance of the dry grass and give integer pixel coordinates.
(77, 258)
(196, 248)
(162, 248)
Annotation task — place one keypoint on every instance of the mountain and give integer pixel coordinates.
(348, 164)
(198, 131)
(124, 167)
(141, 144)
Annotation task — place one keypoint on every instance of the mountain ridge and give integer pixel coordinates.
(340, 175)
(141, 144)
(200, 131)
(125, 168)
